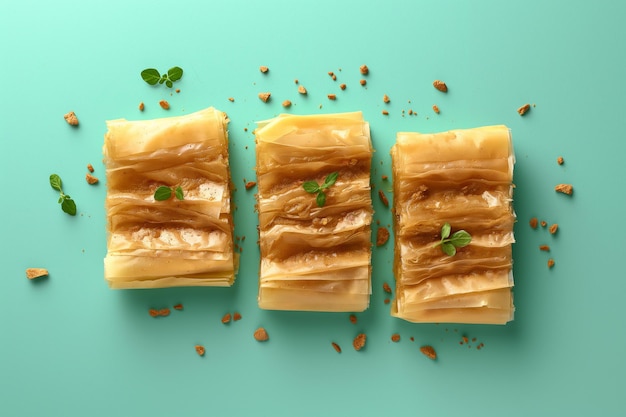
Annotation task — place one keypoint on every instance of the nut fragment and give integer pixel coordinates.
(383, 198)
(522, 110)
(550, 263)
(342, 86)
(263, 69)
(429, 351)
(364, 69)
(336, 347)
(265, 96)
(554, 228)
(332, 96)
(564, 188)
(533, 222)
(386, 288)
(178, 307)
(544, 248)
(200, 350)
(560, 160)
(250, 184)
(386, 98)
(382, 236)
(353, 319)
(261, 335)
(153, 312)
(164, 104)
(385, 112)
(71, 118)
(436, 108)
(141, 106)
(301, 89)
(32, 273)
(91, 179)
(90, 168)
(440, 85)
(226, 318)
(363, 82)
(386, 301)
(286, 103)
(359, 341)
(231, 99)
(236, 316)
(164, 312)
(395, 337)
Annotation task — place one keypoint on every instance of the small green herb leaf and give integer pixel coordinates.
(162, 193)
(175, 73)
(162, 80)
(330, 179)
(55, 182)
(168, 83)
(179, 193)
(460, 239)
(311, 187)
(449, 244)
(445, 230)
(68, 206)
(151, 76)
(448, 248)
(320, 199)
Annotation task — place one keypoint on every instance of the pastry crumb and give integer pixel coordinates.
(91, 179)
(533, 222)
(32, 273)
(263, 69)
(200, 350)
(142, 106)
(440, 85)
(382, 236)
(429, 352)
(332, 96)
(226, 318)
(362, 82)
(550, 263)
(90, 168)
(164, 104)
(71, 118)
(544, 248)
(436, 108)
(353, 319)
(386, 99)
(553, 229)
(342, 86)
(265, 96)
(386, 301)
(287, 103)
(336, 347)
(236, 316)
(543, 223)
(178, 307)
(250, 184)
(385, 112)
(302, 90)
(359, 341)
(524, 109)
(386, 288)
(231, 99)
(564, 188)
(395, 337)
(560, 160)
(364, 69)
(261, 335)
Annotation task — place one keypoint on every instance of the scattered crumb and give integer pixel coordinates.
(250, 184)
(362, 82)
(382, 236)
(178, 307)
(301, 89)
(524, 109)
(164, 104)
(533, 222)
(265, 96)
(245, 129)
(236, 316)
(554, 228)
(332, 96)
(440, 85)
(550, 263)
(429, 351)
(410, 112)
(336, 347)
(226, 318)
(564, 188)
(353, 319)
(386, 99)
(231, 99)
(263, 69)
(342, 86)
(395, 337)
(544, 248)
(178, 90)
(200, 350)
(383, 198)
(385, 112)
(91, 179)
(71, 118)
(386, 288)
(465, 339)
(386, 301)
(32, 273)
(436, 108)
(332, 75)
(560, 160)
(90, 168)
(544, 223)
(295, 81)
(412, 339)
(261, 335)
(359, 341)
(384, 177)
(153, 312)
(286, 103)
(364, 69)
(164, 312)
(142, 106)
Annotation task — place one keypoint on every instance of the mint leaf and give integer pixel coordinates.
(448, 248)
(445, 231)
(311, 187)
(68, 206)
(162, 193)
(179, 193)
(175, 73)
(55, 182)
(151, 76)
(330, 179)
(168, 83)
(320, 199)
(460, 239)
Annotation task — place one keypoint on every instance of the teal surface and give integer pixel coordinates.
(69, 346)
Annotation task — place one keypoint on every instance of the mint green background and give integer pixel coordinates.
(69, 346)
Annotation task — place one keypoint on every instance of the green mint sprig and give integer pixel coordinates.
(152, 76)
(67, 204)
(313, 187)
(164, 193)
(449, 244)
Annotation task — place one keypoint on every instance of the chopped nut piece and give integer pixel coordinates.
(386, 98)
(295, 81)
(412, 339)
(544, 248)
(200, 350)
(265, 96)
(534, 222)
(231, 99)
(332, 96)
(178, 90)
(91, 179)
(141, 106)
(261, 335)
(364, 70)
(544, 223)
(342, 86)
(386, 288)
(71, 118)
(164, 104)
(383, 198)
(550, 263)
(436, 108)
(164, 312)
(153, 312)
(90, 168)
(387, 301)
(32, 273)
(263, 69)
(336, 347)
(395, 337)
(429, 351)
(226, 318)
(363, 82)
(522, 110)
(564, 188)
(440, 85)
(178, 307)
(560, 160)
(286, 103)
(236, 316)
(382, 236)
(332, 75)
(554, 228)
(301, 89)
(359, 341)
(353, 319)
(250, 184)
(384, 177)
(385, 112)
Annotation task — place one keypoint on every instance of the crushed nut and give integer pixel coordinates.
(90, 168)
(429, 351)
(353, 319)
(395, 337)
(178, 90)
(544, 223)
(250, 184)
(226, 318)
(332, 96)
(261, 335)
(363, 82)
(550, 263)
(533, 222)
(383, 198)
(364, 69)
(560, 160)
(359, 341)
(236, 316)
(564, 188)
(91, 179)
(263, 69)
(342, 86)
(332, 75)
(178, 307)
(554, 228)
(301, 89)
(384, 177)
(265, 96)
(231, 99)
(200, 350)
(32, 273)
(164, 104)
(141, 106)
(386, 98)
(522, 110)
(440, 85)
(386, 301)
(382, 236)
(286, 103)
(386, 288)
(544, 248)
(336, 347)
(153, 312)
(436, 108)
(71, 118)
(164, 312)
(385, 112)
